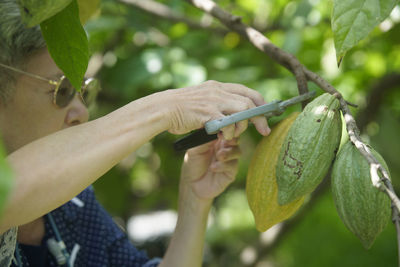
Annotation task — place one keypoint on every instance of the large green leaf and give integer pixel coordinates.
(87, 8)
(6, 179)
(353, 20)
(34, 12)
(67, 43)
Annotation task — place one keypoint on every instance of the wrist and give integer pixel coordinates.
(168, 106)
(186, 245)
(191, 204)
(154, 110)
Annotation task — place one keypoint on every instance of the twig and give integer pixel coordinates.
(163, 11)
(301, 80)
(379, 175)
(396, 221)
(379, 88)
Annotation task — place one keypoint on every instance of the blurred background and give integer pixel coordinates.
(138, 51)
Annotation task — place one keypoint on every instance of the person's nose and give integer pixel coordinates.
(77, 112)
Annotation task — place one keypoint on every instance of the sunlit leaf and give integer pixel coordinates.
(33, 12)
(87, 8)
(353, 20)
(67, 43)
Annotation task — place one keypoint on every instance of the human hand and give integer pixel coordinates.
(206, 172)
(208, 169)
(192, 107)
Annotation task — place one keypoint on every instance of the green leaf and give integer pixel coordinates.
(67, 43)
(6, 179)
(353, 20)
(87, 8)
(33, 12)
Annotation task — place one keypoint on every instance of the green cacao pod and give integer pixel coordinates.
(261, 187)
(363, 208)
(309, 148)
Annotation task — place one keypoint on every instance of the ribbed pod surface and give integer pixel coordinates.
(363, 208)
(261, 187)
(309, 148)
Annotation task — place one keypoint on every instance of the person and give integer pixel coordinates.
(56, 154)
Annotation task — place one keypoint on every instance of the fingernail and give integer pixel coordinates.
(267, 131)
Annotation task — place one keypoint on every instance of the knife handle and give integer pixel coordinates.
(211, 129)
(196, 138)
(208, 134)
(214, 126)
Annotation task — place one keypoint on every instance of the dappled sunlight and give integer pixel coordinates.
(248, 255)
(270, 235)
(150, 226)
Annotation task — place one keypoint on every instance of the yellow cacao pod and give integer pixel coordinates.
(309, 148)
(261, 186)
(363, 208)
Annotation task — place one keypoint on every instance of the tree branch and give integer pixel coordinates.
(385, 83)
(163, 11)
(379, 175)
(396, 221)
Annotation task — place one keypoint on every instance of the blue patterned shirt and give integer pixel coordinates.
(90, 235)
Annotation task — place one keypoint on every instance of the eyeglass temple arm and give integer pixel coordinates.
(27, 73)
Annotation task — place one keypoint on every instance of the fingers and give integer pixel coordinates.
(228, 154)
(240, 127)
(243, 98)
(235, 130)
(228, 167)
(227, 150)
(261, 124)
(202, 149)
(193, 106)
(228, 132)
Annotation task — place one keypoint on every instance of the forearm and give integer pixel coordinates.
(54, 169)
(186, 245)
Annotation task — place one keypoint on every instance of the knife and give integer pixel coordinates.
(211, 128)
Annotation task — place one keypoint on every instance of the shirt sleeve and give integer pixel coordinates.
(8, 241)
(153, 262)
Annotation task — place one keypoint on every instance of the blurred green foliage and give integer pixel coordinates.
(139, 54)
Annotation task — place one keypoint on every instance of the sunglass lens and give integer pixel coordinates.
(90, 91)
(65, 93)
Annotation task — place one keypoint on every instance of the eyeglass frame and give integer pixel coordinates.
(57, 84)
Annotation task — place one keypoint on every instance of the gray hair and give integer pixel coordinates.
(17, 42)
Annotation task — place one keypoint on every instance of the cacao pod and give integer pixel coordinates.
(309, 148)
(363, 208)
(261, 187)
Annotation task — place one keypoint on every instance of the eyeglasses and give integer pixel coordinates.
(64, 92)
